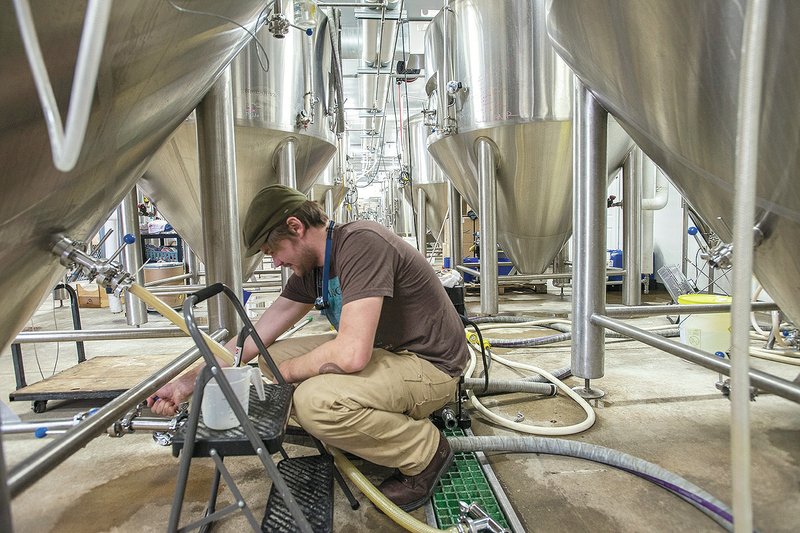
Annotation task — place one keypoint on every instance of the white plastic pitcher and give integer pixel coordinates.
(217, 412)
(710, 332)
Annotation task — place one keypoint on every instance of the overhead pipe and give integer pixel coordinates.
(488, 162)
(218, 199)
(589, 221)
(128, 219)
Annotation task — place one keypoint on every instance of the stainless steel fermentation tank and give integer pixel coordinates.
(396, 206)
(495, 78)
(428, 182)
(272, 145)
(157, 63)
(669, 72)
(328, 189)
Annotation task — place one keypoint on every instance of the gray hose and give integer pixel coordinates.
(560, 374)
(702, 500)
(560, 337)
(505, 319)
(509, 385)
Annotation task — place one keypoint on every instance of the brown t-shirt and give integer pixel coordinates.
(417, 315)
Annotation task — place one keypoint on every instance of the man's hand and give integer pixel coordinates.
(166, 400)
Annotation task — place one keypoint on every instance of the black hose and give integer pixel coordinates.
(467, 322)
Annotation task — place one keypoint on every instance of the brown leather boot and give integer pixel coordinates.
(411, 492)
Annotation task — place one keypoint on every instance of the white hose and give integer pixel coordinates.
(770, 355)
(66, 143)
(776, 328)
(528, 428)
(753, 320)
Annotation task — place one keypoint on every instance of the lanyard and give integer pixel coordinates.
(322, 302)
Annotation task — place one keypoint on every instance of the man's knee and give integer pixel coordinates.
(315, 402)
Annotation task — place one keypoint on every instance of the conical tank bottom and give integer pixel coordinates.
(681, 108)
(173, 183)
(156, 64)
(534, 186)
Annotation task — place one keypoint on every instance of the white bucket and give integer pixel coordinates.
(217, 412)
(710, 332)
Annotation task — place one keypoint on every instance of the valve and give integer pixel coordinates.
(105, 272)
(721, 256)
(453, 87)
(474, 519)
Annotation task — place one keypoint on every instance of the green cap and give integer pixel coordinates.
(270, 208)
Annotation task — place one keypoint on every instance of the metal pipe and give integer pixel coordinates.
(684, 237)
(589, 221)
(35, 467)
(447, 75)
(329, 210)
(454, 208)
(422, 221)
(218, 199)
(487, 198)
(761, 380)
(286, 157)
(467, 270)
(166, 291)
(334, 32)
(28, 337)
(192, 264)
(751, 80)
(307, 117)
(352, 4)
(165, 281)
(632, 237)
(128, 220)
(656, 310)
(539, 277)
(5, 496)
(188, 289)
(30, 427)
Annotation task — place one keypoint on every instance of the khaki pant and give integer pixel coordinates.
(380, 413)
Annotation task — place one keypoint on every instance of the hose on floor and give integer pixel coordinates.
(397, 515)
(529, 428)
(702, 500)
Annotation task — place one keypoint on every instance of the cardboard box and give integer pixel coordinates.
(91, 295)
(468, 228)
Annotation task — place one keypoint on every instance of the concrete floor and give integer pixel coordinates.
(657, 407)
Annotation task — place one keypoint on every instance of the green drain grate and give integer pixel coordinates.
(464, 481)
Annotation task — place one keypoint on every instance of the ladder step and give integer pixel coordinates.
(269, 417)
(311, 481)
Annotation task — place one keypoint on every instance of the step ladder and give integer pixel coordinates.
(301, 498)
